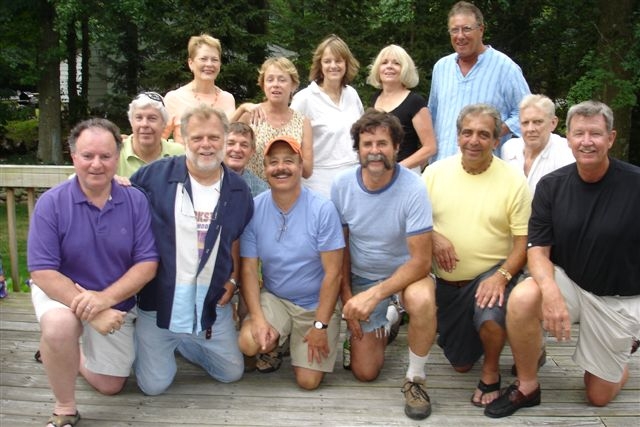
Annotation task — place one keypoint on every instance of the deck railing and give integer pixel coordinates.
(29, 177)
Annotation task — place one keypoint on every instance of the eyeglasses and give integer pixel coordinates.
(283, 228)
(466, 30)
(154, 96)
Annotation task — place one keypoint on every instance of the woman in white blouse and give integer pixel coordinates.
(332, 106)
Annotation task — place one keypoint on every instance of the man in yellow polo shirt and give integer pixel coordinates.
(148, 117)
(481, 207)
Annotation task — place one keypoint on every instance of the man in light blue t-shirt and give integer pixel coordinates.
(297, 236)
(386, 215)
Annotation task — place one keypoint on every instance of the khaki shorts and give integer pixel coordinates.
(608, 325)
(110, 354)
(291, 319)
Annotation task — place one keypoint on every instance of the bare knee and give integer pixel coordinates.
(419, 298)
(365, 373)
(58, 328)
(462, 368)
(246, 343)
(308, 380)
(110, 387)
(525, 299)
(599, 397)
(600, 392)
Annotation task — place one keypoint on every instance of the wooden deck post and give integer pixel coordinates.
(29, 177)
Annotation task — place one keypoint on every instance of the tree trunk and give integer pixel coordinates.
(72, 75)
(86, 55)
(49, 145)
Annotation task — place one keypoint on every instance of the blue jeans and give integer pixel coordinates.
(155, 364)
(378, 317)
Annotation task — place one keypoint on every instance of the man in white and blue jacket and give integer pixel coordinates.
(199, 210)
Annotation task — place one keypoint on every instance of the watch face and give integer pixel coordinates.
(318, 325)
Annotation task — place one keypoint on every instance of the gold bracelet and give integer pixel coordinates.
(505, 273)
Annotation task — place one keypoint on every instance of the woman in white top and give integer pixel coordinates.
(204, 62)
(332, 106)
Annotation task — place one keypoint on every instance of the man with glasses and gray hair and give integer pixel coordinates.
(474, 73)
(199, 211)
(297, 235)
(148, 118)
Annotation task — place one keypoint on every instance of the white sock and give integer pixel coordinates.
(416, 365)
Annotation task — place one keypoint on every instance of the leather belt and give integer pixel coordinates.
(455, 283)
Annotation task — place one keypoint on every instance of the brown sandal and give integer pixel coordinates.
(269, 362)
(64, 420)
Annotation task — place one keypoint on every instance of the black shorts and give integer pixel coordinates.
(460, 318)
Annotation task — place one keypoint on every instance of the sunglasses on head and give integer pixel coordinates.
(155, 96)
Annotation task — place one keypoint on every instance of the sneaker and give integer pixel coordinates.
(418, 404)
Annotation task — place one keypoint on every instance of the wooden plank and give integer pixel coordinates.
(33, 176)
(274, 400)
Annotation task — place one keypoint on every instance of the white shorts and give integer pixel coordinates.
(608, 326)
(110, 354)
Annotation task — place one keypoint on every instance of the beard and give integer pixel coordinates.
(202, 166)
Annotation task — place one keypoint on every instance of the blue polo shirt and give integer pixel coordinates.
(91, 246)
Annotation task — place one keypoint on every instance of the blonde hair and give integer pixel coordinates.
(203, 40)
(338, 48)
(284, 65)
(408, 73)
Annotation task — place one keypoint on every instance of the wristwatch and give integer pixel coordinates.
(505, 273)
(319, 325)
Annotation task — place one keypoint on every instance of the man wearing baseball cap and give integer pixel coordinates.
(297, 236)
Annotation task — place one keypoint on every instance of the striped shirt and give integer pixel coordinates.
(495, 79)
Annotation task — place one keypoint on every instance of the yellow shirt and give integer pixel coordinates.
(129, 162)
(479, 214)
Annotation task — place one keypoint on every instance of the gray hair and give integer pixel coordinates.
(97, 123)
(203, 112)
(541, 102)
(481, 110)
(143, 101)
(466, 8)
(591, 109)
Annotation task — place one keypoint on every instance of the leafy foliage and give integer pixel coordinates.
(565, 49)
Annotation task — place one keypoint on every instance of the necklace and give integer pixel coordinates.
(279, 122)
(216, 92)
(470, 172)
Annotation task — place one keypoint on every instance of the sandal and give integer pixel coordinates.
(269, 362)
(484, 389)
(38, 356)
(64, 420)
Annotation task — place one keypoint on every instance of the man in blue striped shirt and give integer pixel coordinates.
(474, 73)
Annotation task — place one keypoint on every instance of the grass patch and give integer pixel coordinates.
(22, 226)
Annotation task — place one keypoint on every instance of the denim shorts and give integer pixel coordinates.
(377, 318)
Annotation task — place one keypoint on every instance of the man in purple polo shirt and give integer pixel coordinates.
(90, 250)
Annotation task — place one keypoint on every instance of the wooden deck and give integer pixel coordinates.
(274, 400)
